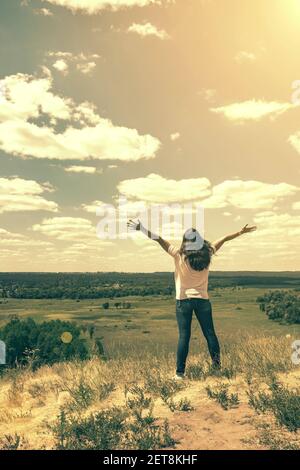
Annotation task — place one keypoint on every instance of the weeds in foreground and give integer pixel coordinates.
(137, 398)
(222, 396)
(16, 391)
(201, 372)
(11, 442)
(182, 405)
(273, 441)
(105, 389)
(111, 429)
(161, 386)
(279, 400)
(82, 396)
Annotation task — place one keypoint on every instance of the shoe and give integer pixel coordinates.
(178, 377)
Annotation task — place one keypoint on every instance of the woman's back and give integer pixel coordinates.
(189, 282)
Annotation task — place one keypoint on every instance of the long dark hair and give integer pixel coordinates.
(196, 250)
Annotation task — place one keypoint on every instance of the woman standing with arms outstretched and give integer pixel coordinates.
(192, 261)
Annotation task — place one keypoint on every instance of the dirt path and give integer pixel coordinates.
(208, 426)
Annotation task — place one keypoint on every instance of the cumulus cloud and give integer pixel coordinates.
(248, 194)
(155, 188)
(43, 12)
(61, 65)
(28, 99)
(17, 240)
(148, 29)
(296, 206)
(17, 194)
(252, 110)
(86, 68)
(85, 63)
(294, 140)
(274, 225)
(236, 193)
(66, 228)
(91, 7)
(175, 136)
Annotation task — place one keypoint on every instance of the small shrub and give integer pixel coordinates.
(82, 396)
(106, 389)
(272, 441)
(183, 405)
(195, 372)
(163, 387)
(10, 442)
(138, 399)
(222, 396)
(111, 429)
(279, 400)
(102, 431)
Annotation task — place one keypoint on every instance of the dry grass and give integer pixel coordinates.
(31, 401)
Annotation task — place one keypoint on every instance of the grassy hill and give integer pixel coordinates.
(131, 400)
(133, 403)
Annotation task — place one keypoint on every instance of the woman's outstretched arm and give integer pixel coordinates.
(218, 243)
(139, 227)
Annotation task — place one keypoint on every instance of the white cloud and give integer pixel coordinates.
(294, 140)
(274, 225)
(96, 6)
(155, 188)
(86, 134)
(248, 194)
(61, 65)
(147, 29)
(17, 194)
(296, 206)
(236, 193)
(245, 56)
(208, 94)
(17, 240)
(82, 169)
(66, 228)
(43, 12)
(252, 110)
(175, 136)
(85, 63)
(86, 68)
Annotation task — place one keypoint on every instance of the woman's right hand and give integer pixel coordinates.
(247, 229)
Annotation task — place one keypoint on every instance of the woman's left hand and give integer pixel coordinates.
(134, 225)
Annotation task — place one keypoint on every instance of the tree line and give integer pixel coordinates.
(281, 305)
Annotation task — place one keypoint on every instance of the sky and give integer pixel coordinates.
(154, 103)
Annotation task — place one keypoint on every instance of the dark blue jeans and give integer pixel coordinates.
(184, 314)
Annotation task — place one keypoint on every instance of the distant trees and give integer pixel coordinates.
(44, 342)
(125, 305)
(280, 305)
(80, 286)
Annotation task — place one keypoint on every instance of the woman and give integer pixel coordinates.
(192, 261)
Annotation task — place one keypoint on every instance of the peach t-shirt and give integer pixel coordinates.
(189, 283)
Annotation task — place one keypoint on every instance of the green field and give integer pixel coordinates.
(150, 325)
